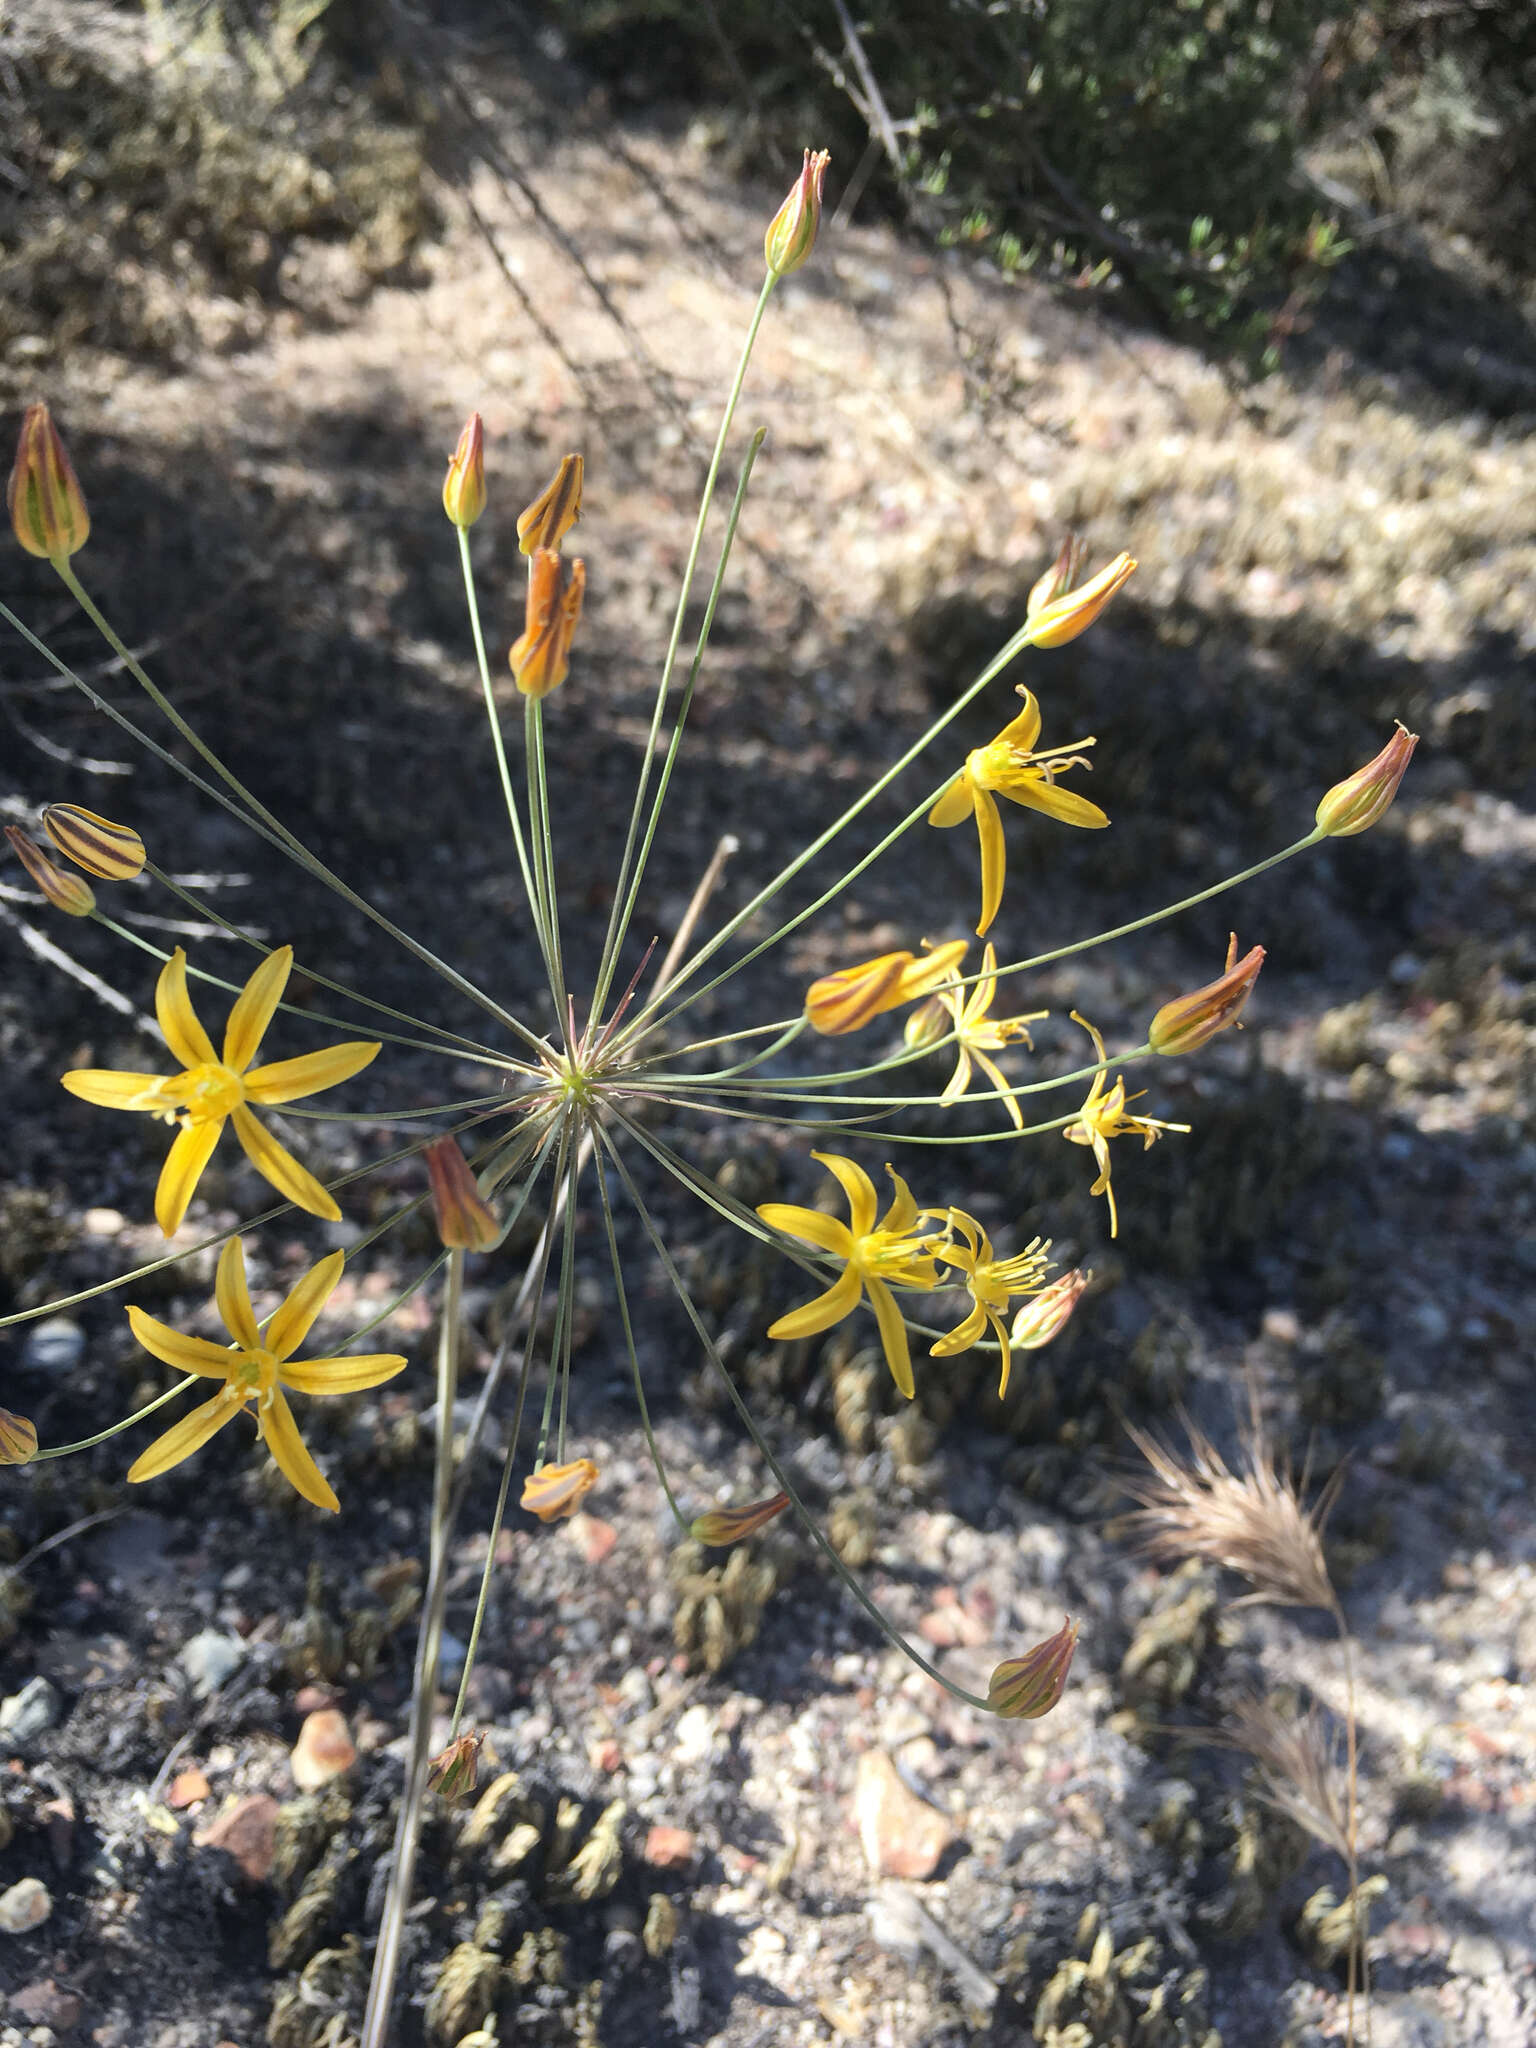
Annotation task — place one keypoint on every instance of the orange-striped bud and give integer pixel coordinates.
(113, 853)
(64, 891)
(1355, 804)
(1046, 1314)
(853, 996)
(541, 656)
(464, 1220)
(455, 1770)
(554, 511)
(464, 485)
(1054, 624)
(1185, 1024)
(555, 1492)
(1026, 1687)
(1058, 579)
(791, 233)
(18, 1439)
(729, 1525)
(46, 504)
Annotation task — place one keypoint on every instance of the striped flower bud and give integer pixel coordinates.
(464, 1220)
(1185, 1024)
(849, 999)
(1058, 579)
(113, 853)
(557, 1491)
(1054, 624)
(791, 233)
(540, 657)
(454, 1771)
(554, 511)
(65, 892)
(18, 1439)
(1046, 1314)
(46, 504)
(464, 485)
(1026, 1687)
(1355, 804)
(729, 1525)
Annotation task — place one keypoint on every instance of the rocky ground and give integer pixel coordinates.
(714, 1807)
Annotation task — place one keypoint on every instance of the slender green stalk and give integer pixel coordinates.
(87, 1443)
(544, 851)
(634, 1357)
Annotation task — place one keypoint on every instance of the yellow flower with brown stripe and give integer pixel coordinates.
(214, 1089)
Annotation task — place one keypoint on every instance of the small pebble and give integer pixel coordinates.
(669, 1848)
(903, 1836)
(26, 1905)
(28, 1714)
(323, 1751)
(57, 1345)
(46, 2005)
(247, 1831)
(210, 1659)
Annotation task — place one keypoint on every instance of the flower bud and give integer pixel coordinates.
(464, 1221)
(853, 996)
(557, 1491)
(113, 853)
(554, 511)
(1058, 579)
(46, 505)
(18, 1439)
(729, 1525)
(926, 1025)
(541, 657)
(64, 891)
(1064, 617)
(464, 485)
(791, 233)
(454, 1771)
(1046, 1314)
(1187, 1022)
(1026, 1687)
(1356, 803)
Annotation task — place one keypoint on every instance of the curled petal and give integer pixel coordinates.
(234, 1297)
(721, 1526)
(278, 1165)
(350, 1375)
(254, 1009)
(840, 1299)
(280, 1434)
(186, 1436)
(18, 1439)
(291, 1322)
(557, 1491)
(288, 1080)
(172, 1347)
(1023, 729)
(1024, 1688)
(902, 1214)
(994, 858)
(893, 1336)
(183, 1169)
(856, 1185)
(178, 1020)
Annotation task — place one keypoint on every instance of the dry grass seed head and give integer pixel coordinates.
(1298, 1759)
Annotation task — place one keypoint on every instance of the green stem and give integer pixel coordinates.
(634, 1357)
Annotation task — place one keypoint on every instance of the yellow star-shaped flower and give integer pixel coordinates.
(1008, 766)
(1103, 1116)
(211, 1090)
(257, 1368)
(890, 1253)
(978, 1035)
(990, 1281)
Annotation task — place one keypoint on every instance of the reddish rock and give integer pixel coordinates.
(311, 1699)
(606, 1756)
(187, 1788)
(903, 1836)
(247, 1831)
(323, 1751)
(46, 2005)
(669, 1848)
(593, 1536)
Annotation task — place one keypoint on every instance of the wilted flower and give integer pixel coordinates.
(465, 1221)
(791, 233)
(64, 891)
(211, 1089)
(1185, 1024)
(720, 1526)
(853, 996)
(1064, 617)
(46, 504)
(1026, 1687)
(257, 1368)
(890, 1253)
(1009, 766)
(1355, 804)
(555, 1492)
(1103, 1116)
(991, 1282)
(18, 1439)
(464, 485)
(541, 655)
(554, 511)
(454, 1771)
(1046, 1315)
(111, 852)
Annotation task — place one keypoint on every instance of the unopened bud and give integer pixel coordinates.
(1058, 579)
(46, 504)
(1026, 1687)
(113, 853)
(1355, 804)
(541, 657)
(853, 996)
(926, 1025)
(1063, 618)
(64, 891)
(729, 1525)
(1187, 1022)
(791, 233)
(464, 485)
(454, 1771)
(554, 511)
(464, 1221)
(555, 1492)
(1046, 1314)
(18, 1439)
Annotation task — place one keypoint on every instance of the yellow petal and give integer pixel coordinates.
(994, 859)
(234, 1297)
(954, 805)
(292, 1321)
(182, 1170)
(280, 1167)
(840, 1299)
(857, 1186)
(902, 1214)
(810, 1225)
(1023, 731)
(893, 1336)
(342, 1375)
(187, 1354)
(178, 1020)
(1000, 1081)
(1065, 805)
(960, 1079)
(254, 1009)
(287, 1080)
(186, 1436)
(962, 1337)
(280, 1434)
(109, 1089)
